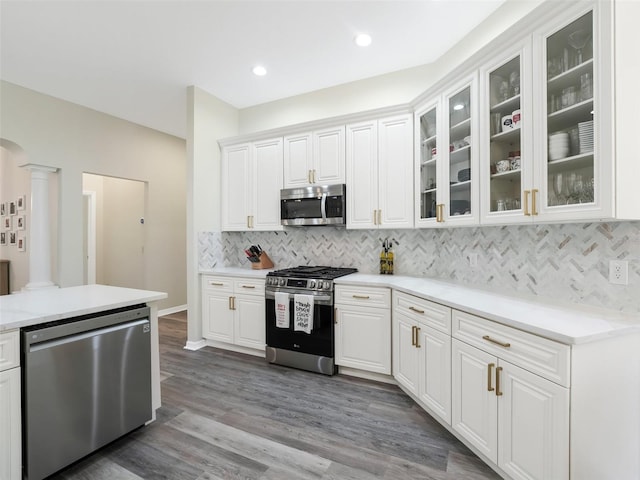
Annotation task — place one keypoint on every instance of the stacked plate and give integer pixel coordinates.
(558, 145)
(585, 133)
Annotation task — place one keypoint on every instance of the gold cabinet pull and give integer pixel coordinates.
(309, 176)
(314, 176)
(379, 217)
(497, 342)
(440, 212)
(335, 315)
(230, 303)
(216, 284)
(489, 371)
(248, 286)
(526, 203)
(534, 210)
(413, 336)
(417, 337)
(417, 310)
(498, 392)
(361, 297)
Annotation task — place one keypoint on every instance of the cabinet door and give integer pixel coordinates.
(406, 356)
(236, 192)
(217, 316)
(428, 131)
(395, 164)
(533, 420)
(474, 401)
(460, 156)
(507, 161)
(10, 430)
(267, 161)
(435, 371)
(298, 161)
(249, 325)
(575, 136)
(362, 174)
(328, 156)
(363, 338)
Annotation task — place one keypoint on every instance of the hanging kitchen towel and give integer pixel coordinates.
(282, 310)
(303, 314)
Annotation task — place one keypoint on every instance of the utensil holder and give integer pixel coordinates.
(265, 262)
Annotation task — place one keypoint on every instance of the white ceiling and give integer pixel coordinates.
(134, 59)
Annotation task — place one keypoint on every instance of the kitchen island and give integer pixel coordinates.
(38, 307)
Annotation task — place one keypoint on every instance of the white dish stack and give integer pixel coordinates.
(585, 134)
(558, 145)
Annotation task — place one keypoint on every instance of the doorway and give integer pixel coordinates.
(114, 238)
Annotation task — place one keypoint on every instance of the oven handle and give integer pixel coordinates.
(318, 299)
(323, 206)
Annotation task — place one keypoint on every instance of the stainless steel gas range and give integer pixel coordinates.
(288, 343)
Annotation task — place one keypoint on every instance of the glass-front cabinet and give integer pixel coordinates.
(446, 179)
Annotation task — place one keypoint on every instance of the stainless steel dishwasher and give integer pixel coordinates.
(86, 381)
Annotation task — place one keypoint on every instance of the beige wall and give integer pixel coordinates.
(76, 139)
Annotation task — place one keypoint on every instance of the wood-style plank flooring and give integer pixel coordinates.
(232, 416)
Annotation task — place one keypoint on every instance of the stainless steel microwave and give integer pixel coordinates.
(314, 205)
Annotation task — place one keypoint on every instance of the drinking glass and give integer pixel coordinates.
(578, 40)
(559, 187)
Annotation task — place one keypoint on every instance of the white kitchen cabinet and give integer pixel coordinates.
(380, 173)
(10, 413)
(516, 418)
(422, 351)
(446, 166)
(363, 328)
(251, 183)
(233, 311)
(314, 158)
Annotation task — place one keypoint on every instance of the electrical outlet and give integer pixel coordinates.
(473, 259)
(619, 272)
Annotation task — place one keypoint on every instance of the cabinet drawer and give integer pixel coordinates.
(544, 357)
(428, 313)
(379, 297)
(246, 286)
(217, 284)
(9, 350)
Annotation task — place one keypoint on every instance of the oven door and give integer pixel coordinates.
(319, 342)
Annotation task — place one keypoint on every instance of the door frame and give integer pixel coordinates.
(90, 222)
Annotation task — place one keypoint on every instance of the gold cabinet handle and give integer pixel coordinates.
(498, 392)
(314, 176)
(216, 284)
(248, 286)
(417, 337)
(375, 217)
(413, 336)
(497, 342)
(417, 310)
(379, 217)
(526, 203)
(309, 176)
(361, 297)
(230, 303)
(489, 387)
(534, 210)
(440, 212)
(335, 315)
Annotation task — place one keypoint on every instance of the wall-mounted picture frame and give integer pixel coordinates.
(12, 208)
(21, 203)
(3, 209)
(3, 238)
(22, 244)
(12, 238)
(7, 223)
(21, 222)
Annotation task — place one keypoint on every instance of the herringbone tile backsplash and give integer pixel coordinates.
(563, 262)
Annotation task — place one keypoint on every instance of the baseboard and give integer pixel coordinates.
(378, 377)
(195, 345)
(170, 310)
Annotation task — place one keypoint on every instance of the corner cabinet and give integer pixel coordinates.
(251, 182)
(379, 173)
(10, 413)
(446, 158)
(314, 158)
(233, 312)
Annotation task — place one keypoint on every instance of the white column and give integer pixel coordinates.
(39, 246)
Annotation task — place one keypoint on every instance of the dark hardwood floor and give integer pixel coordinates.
(231, 416)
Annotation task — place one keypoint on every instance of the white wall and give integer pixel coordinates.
(76, 139)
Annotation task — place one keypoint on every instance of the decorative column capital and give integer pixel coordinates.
(34, 167)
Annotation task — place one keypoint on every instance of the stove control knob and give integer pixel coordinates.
(281, 281)
(322, 285)
(312, 284)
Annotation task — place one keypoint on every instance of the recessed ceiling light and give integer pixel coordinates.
(259, 70)
(362, 40)
(458, 106)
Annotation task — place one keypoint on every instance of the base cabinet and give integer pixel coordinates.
(363, 329)
(233, 311)
(10, 412)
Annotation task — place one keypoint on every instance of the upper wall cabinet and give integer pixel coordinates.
(251, 183)
(314, 158)
(380, 173)
(446, 169)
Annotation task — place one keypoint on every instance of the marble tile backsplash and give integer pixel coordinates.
(567, 262)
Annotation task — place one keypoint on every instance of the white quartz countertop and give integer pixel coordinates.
(237, 272)
(40, 306)
(566, 323)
